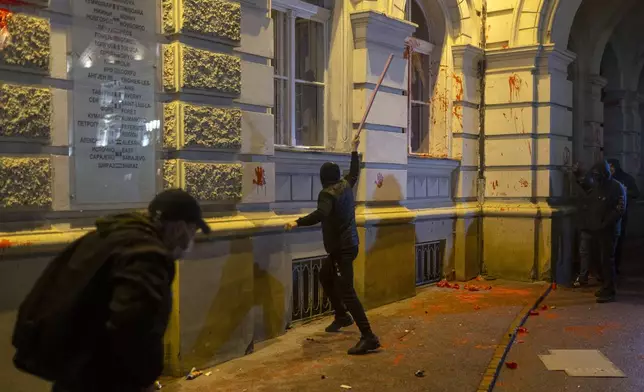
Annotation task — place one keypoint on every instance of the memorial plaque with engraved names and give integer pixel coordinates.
(114, 53)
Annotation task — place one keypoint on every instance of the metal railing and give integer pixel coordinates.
(309, 299)
(429, 262)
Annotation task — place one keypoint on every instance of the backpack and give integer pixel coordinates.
(47, 345)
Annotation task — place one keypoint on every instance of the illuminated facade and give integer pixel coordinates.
(241, 102)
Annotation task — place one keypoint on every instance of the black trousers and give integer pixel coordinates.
(620, 242)
(602, 246)
(336, 276)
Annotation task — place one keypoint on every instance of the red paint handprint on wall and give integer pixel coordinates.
(260, 178)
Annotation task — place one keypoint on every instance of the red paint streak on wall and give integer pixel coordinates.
(530, 148)
(515, 86)
(524, 183)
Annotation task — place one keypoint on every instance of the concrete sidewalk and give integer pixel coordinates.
(449, 334)
(578, 322)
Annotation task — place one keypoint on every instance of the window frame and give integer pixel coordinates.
(424, 48)
(293, 9)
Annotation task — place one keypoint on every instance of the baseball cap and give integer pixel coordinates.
(178, 205)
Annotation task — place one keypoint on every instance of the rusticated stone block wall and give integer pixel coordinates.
(205, 180)
(25, 182)
(185, 67)
(25, 112)
(30, 43)
(187, 125)
(210, 18)
(214, 181)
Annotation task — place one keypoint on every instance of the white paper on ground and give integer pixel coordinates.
(581, 363)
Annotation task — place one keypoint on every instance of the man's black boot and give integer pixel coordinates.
(604, 296)
(339, 323)
(365, 345)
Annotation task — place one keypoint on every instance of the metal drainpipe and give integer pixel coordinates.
(482, 67)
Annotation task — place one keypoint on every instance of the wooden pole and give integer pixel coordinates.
(373, 95)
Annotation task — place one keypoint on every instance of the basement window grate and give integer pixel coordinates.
(429, 262)
(309, 299)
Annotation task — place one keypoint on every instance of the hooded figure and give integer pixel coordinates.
(336, 212)
(632, 193)
(626, 179)
(96, 318)
(602, 204)
(600, 198)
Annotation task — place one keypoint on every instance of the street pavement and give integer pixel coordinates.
(577, 322)
(450, 335)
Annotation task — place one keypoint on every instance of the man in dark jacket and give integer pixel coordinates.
(602, 205)
(112, 290)
(632, 193)
(336, 211)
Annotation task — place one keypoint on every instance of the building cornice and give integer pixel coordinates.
(378, 29)
(538, 58)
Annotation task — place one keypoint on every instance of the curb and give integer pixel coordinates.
(502, 349)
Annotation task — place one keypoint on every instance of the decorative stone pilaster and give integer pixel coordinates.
(389, 249)
(383, 141)
(465, 118)
(622, 128)
(528, 127)
(593, 121)
(193, 131)
(528, 123)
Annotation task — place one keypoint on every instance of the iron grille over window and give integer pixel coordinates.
(308, 298)
(429, 262)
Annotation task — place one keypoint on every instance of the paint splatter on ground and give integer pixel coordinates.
(572, 320)
(438, 331)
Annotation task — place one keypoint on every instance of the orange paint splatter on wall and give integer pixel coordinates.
(4, 244)
(524, 183)
(459, 87)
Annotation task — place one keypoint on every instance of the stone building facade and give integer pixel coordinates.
(465, 151)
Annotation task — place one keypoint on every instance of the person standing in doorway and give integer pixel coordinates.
(603, 203)
(336, 212)
(95, 319)
(632, 192)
